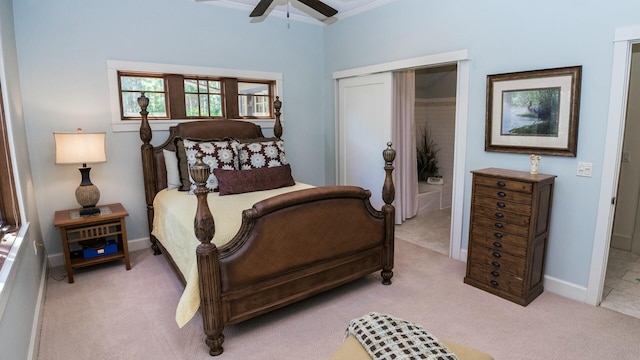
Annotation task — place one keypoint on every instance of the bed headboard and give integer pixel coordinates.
(153, 166)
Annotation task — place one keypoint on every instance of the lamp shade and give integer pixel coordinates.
(79, 147)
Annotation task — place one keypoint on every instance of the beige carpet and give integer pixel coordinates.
(110, 313)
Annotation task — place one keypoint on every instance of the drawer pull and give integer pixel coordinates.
(501, 204)
(498, 225)
(499, 215)
(496, 254)
(502, 194)
(500, 183)
(495, 273)
(497, 244)
(496, 264)
(494, 283)
(498, 235)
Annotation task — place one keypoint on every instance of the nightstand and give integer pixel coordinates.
(107, 226)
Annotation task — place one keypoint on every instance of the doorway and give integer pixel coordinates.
(624, 39)
(461, 59)
(621, 292)
(435, 124)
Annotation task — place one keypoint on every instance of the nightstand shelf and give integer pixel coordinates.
(109, 224)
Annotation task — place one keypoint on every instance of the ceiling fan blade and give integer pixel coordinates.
(320, 7)
(259, 10)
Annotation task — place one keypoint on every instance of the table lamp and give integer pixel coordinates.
(82, 148)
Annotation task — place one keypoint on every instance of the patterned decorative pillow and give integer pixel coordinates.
(387, 337)
(217, 154)
(259, 154)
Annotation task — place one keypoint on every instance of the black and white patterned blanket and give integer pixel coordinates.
(388, 338)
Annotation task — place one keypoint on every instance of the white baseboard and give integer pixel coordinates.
(34, 343)
(554, 285)
(565, 288)
(134, 245)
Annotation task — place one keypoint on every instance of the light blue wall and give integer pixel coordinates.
(501, 37)
(19, 297)
(63, 47)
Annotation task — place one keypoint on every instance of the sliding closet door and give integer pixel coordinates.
(364, 128)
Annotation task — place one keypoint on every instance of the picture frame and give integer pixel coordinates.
(534, 112)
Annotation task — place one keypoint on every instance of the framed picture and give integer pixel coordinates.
(534, 112)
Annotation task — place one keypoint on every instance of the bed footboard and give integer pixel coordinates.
(305, 222)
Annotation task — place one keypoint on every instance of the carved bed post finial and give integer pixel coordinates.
(204, 225)
(388, 195)
(148, 166)
(207, 260)
(145, 129)
(277, 127)
(388, 189)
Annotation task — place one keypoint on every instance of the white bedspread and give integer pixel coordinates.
(174, 212)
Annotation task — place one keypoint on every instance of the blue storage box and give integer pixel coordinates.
(110, 248)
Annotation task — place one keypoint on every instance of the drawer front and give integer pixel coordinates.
(497, 260)
(500, 205)
(504, 216)
(497, 279)
(499, 225)
(505, 184)
(490, 240)
(503, 195)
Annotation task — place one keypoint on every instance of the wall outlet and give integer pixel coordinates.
(36, 245)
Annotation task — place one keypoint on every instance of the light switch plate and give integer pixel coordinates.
(584, 169)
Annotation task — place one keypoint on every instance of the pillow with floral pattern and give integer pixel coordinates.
(261, 154)
(217, 154)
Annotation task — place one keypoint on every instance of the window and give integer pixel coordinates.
(181, 93)
(154, 89)
(254, 99)
(9, 212)
(175, 96)
(203, 98)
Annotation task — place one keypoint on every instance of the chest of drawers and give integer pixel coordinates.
(508, 233)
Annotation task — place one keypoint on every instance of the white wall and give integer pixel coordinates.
(501, 37)
(19, 295)
(63, 48)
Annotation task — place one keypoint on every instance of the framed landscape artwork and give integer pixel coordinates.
(534, 111)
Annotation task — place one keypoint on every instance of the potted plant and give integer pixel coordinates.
(427, 161)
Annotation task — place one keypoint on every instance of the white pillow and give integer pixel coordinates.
(173, 174)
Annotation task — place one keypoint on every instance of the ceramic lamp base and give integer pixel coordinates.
(87, 195)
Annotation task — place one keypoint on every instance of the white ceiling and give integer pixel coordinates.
(300, 12)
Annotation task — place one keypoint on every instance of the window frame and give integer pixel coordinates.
(269, 102)
(10, 215)
(147, 75)
(115, 67)
(198, 93)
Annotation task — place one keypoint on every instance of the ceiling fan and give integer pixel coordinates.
(316, 5)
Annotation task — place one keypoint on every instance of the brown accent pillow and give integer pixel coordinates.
(242, 181)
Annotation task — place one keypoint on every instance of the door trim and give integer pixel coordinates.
(461, 59)
(623, 40)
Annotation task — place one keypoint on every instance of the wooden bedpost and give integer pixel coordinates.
(207, 259)
(277, 127)
(388, 195)
(148, 166)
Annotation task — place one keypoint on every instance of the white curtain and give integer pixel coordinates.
(403, 131)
